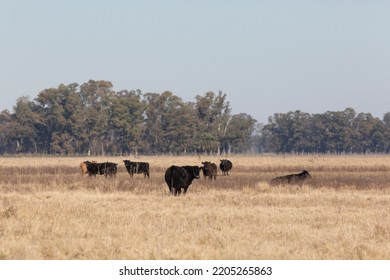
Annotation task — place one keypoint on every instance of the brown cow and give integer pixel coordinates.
(209, 170)
(83, 167)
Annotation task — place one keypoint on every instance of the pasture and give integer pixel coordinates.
(48, 210)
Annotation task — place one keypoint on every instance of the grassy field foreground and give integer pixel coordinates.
(49, 211)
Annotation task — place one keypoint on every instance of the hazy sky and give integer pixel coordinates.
(267, 56)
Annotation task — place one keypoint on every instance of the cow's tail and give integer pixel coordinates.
(172, 179)
(147, 170)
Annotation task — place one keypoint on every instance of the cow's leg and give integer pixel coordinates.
(177, 191)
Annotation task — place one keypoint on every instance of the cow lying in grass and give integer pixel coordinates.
(291, 179)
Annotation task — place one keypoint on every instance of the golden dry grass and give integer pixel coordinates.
(48, 210)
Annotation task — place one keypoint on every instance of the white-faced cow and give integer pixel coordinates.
(209, 170)
(180, 177)
(291, 178)
(225, 165)
(137, 168)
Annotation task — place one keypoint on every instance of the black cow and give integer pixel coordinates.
(209, 170)
(180, 177)
(137, 168)
(109, 168)
(105, 168)
(291, 179)
(225, 165)
(92, 168)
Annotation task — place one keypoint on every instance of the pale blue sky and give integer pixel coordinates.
(267, 56)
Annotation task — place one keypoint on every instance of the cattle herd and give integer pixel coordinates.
(93, 168)
(180, 177)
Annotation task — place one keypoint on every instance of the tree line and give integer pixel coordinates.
(333, 132)
(93, 119)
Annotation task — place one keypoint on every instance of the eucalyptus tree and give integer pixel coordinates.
(96, 99)
(213, 114)
(339, 132)
(19, 131)
(280, 132)
(6, 145)
(386, 132)
(57, 107)
(126, 122)
(237, 138)
(369, 133)
(169, 123)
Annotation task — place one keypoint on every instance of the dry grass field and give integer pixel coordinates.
(48, 210)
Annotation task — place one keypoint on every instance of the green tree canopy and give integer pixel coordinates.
(93, 118)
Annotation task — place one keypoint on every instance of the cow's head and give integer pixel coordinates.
(305, 174)
(195, 172)
(206, 168)
(224, 162)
